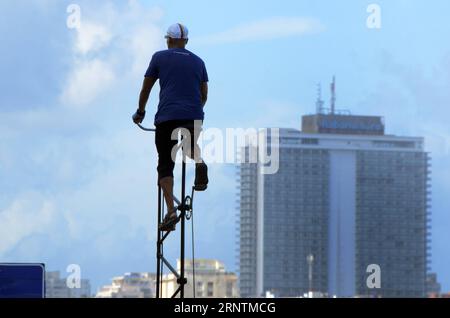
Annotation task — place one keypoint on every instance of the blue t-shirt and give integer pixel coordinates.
(180, 74)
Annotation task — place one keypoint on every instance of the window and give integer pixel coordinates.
(210, 291)
(310, 141)
(199, 289)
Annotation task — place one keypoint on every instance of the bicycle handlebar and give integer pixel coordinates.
(146, 129)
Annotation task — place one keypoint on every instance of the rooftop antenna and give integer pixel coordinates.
(319, 102)
(333, 95)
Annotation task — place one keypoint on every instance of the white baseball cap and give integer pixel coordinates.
(177, 31)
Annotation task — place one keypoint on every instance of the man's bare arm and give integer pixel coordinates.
(204, 90)
(147, 86)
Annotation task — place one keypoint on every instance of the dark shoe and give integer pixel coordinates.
(201, 177)
(169, 223)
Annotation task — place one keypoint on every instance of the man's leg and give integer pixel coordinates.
(193, 151)
(166, 184)
(166, 165)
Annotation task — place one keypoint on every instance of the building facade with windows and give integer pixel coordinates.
(345, 193)
(211, 280)
(130, 285)
(57, 287)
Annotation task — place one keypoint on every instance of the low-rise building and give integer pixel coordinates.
(211, 280)
(57, 287)
(130, 285)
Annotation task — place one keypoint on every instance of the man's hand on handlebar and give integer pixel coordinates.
(138, 117)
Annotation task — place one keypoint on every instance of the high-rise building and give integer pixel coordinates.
(57, 287)
(211, 280)
(346, 196)
(130, 285)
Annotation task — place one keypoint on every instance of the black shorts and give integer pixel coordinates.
(165, 144)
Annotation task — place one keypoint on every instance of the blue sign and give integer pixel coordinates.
(351, 124)
(22, 281)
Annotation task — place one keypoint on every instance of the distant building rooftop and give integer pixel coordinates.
(343, 124)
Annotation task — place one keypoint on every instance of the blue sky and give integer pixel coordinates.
(77, 178)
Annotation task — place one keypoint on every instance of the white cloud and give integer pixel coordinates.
(267, 29)
(87, 80)
(92, 37)
(30, 214)
(143, 43)
(113, 45)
